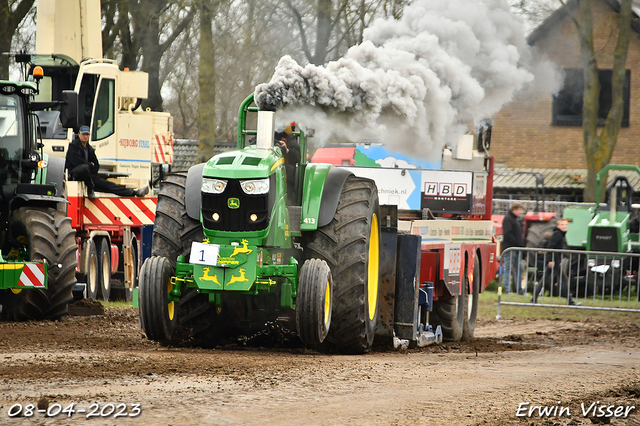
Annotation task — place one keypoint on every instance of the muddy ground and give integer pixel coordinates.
(107, 359)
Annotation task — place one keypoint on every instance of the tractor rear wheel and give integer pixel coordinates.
(46, 234)
(350, 246)
(314, 302)
(173, 233)
(93, 277)
(157, 312)
(471, 307)
(104, 266)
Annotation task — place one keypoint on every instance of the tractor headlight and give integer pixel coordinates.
(255, 187)
(213, 186)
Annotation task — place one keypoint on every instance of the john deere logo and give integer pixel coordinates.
(233, 203)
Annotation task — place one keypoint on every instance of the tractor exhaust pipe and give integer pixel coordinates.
(266, 127)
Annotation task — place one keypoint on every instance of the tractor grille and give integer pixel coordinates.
(604, 239)
(238, 216)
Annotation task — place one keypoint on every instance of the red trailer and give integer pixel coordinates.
(445, 214)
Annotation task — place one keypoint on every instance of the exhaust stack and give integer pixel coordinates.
(266, 126)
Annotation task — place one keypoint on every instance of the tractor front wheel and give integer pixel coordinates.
(157, 312)
(314, 302)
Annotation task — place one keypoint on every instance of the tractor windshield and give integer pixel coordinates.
(11, 136)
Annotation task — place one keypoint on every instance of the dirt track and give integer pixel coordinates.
(107, 359)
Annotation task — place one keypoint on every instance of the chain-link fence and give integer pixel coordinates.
(569, 278)
(503, 206)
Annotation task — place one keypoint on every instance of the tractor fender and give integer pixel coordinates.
(192, 199)
(56, 174)
(322, 188)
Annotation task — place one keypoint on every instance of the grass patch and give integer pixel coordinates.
(117, 304)
(487, 309)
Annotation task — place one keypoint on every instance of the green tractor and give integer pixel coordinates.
(38, 258)
(235, 248)
(610, 228)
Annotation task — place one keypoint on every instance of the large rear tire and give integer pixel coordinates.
(173, 233)
(157, 313)
(314, 302)
(350, 246)
(471, 307)
(47, 235)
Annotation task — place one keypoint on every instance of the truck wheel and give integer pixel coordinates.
(46, 235)
(104, 266)
(350, 246)
(471, 307)
(93, 280)
(314, 302)
(449, 314)
(173, 232)
(158, 315)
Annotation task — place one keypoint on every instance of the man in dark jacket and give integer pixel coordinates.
(512, 237)
(83, 165)
(554, 271)
(290, 147)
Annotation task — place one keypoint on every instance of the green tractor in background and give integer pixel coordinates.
(611, 228)
(38, 260)
(234, 248)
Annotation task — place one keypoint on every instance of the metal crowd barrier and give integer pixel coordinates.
(503, 205)
(578, 279)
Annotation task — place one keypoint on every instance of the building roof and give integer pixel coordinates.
(570, 7)
(505, 178)
(185, 152)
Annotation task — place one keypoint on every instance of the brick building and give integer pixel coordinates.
(537, 131)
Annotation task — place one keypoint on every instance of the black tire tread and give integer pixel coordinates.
(50, 238)
(343, 245)
(173, 233)
(310, 301)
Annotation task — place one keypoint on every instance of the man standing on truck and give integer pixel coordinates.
(512, 237)
(83, 165)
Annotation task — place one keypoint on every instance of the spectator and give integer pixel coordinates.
(512, 237)
(83, 166)
(554, 270)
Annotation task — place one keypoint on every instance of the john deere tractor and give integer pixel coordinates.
(231, 251)
(38, 261)
(612, 227)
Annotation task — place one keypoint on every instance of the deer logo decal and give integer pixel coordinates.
(207, 277)
(240, 278)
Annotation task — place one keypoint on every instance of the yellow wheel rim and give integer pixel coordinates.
(170, 306)
(327, 302)
(373, 271)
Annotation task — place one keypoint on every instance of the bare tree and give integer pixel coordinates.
(206, 80)
(12, 12)
(599, 147)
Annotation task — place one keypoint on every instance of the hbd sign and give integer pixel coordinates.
(446, 191)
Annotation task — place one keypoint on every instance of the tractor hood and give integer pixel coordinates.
(249, 163)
